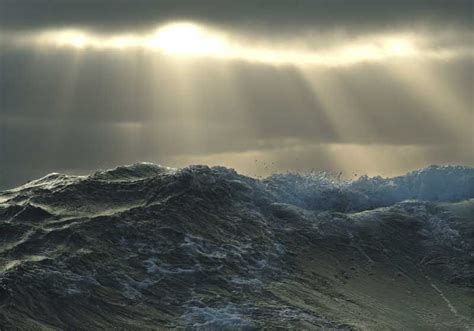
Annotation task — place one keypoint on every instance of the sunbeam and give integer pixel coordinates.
(182, 91)
(451, 113)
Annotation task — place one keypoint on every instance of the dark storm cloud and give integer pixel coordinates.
(268, 17)
(64, 110)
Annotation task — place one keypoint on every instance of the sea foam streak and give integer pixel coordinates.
(144, 246)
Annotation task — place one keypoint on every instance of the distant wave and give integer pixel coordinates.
(145, 246)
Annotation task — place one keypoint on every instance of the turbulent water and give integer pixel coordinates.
(147, 247)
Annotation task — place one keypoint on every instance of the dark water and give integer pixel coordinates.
(147, 247)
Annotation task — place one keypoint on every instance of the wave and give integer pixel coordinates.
(146, 247)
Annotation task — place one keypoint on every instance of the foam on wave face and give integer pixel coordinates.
(318, 191)
(322, 192)
(143, 246)
(135, 171)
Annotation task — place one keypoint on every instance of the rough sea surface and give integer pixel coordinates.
(148, 247)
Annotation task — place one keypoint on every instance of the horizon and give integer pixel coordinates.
(338, 176)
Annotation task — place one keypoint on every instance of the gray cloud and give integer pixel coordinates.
(268, 17)
(64, 110)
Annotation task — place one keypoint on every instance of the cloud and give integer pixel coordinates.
(268, 17)
(84, 100)
(188, 39)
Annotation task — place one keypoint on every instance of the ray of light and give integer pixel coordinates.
(445, 107)
(337, 104)
(193, 95)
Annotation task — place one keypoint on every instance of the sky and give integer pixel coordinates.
(358, 87)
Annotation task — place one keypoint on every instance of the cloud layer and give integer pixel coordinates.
(389, 87)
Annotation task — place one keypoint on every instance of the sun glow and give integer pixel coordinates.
(66, 38)
(187, 39)
(175, 38)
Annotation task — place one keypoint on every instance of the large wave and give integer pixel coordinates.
(144, 247)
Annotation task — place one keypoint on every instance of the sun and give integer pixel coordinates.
(186, 39)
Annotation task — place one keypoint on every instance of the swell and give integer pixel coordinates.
(144, 246)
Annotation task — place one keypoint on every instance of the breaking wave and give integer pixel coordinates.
(146, 247)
